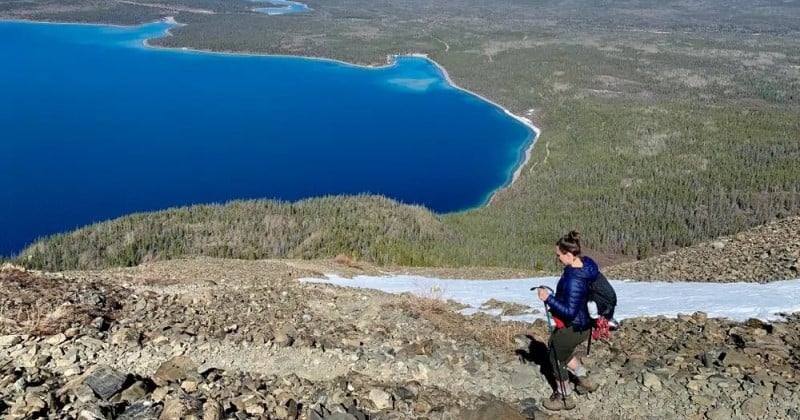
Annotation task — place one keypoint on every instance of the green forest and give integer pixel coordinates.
(664, 124)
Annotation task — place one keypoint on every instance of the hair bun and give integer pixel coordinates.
(570, 243)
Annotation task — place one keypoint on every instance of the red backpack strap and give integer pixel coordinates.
(601, 329)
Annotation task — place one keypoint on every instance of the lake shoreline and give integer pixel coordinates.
(391, 61)
(528, 123)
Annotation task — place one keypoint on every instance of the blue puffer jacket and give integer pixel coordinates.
(569, 302)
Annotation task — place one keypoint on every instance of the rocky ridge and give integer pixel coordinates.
(762, 254)
(213, 339)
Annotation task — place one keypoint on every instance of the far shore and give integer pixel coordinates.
(390, 61)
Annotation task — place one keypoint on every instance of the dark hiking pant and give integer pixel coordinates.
(562, 345)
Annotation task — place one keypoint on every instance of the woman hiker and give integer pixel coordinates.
(573, 325)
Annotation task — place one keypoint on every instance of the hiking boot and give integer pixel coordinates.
(557, 403)
(585, 385)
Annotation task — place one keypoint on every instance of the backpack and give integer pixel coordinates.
(603, 295)
(601, 301)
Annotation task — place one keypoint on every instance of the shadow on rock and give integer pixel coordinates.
(531, 350)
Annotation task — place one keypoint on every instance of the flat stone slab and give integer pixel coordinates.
(106, 381)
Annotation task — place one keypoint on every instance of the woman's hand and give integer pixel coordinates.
(543, 293)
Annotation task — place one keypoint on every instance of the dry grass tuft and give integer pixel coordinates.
(423, 306)
(36, 304)
(485, 329)
(343, 259)
(501, 335)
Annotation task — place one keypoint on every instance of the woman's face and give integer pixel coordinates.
(565, 258)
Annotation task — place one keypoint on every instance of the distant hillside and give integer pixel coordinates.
(371, 228)
(384, 232)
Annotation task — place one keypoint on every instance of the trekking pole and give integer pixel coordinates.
(592, 307)
(552, 329)
(589, 345)
(550, 324)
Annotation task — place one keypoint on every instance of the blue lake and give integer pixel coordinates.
(95, 125)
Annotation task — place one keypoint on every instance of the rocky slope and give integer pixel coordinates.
(762, 254)
(215, 339)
